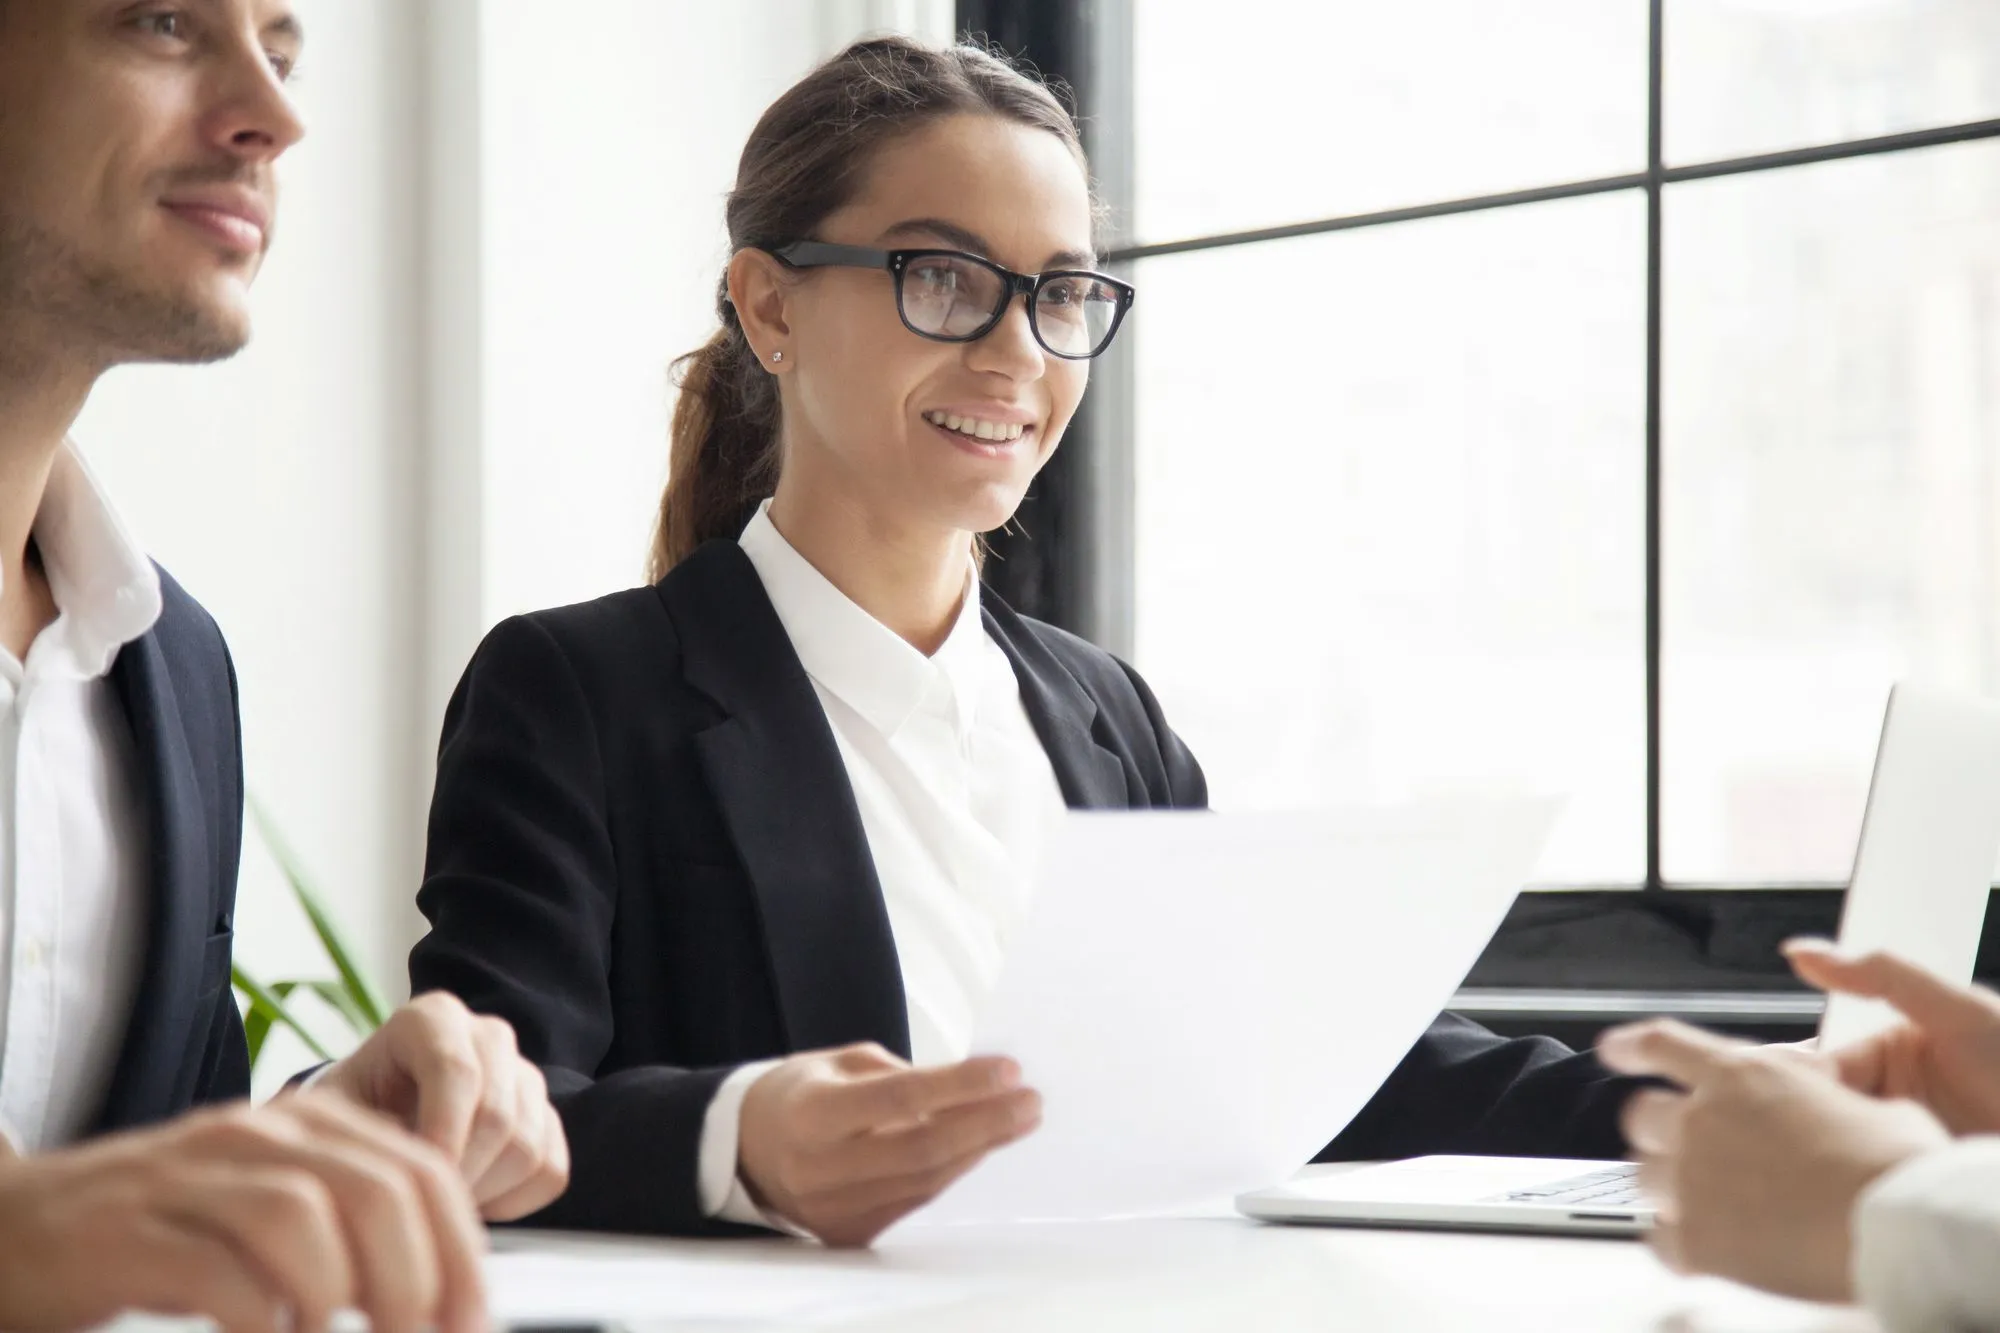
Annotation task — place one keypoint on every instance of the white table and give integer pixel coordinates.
(1219, 1271)
(1211, 1271)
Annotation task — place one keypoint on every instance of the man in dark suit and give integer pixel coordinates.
(137, 146)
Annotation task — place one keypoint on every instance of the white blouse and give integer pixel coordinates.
(955, 792)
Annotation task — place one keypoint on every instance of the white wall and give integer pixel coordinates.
(505, 222)
(604, 242)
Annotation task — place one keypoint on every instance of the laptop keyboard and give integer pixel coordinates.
(1617, 1187)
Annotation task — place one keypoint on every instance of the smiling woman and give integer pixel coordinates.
(739, 853)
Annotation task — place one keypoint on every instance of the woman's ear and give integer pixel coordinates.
(758, 288)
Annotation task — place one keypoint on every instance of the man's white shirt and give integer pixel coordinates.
(73, 838)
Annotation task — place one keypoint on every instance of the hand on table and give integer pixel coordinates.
(458, 1081)
(1755, 1167)
(845, 1142)
(262, 1220)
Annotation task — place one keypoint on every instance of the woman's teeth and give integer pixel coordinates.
(997, 431)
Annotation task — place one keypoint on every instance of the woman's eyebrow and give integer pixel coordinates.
(948, 232)
(953, 234)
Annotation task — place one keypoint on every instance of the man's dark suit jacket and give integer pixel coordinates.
(645, 855)
(184, 1043)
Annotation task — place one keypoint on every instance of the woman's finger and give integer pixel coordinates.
(1924, 998)
(947, 1137)
(905, 1096)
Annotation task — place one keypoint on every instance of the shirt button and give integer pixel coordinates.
(34, 954)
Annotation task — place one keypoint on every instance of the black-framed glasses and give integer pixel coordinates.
(953, 297)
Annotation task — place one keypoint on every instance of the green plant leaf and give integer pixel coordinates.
(340, 1001)
(366, 1003)
(257, 1023)
(256, 1027)
(264, 999)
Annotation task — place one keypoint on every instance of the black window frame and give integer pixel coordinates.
(1567, 960)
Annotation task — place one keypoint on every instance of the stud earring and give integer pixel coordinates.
(777, 356)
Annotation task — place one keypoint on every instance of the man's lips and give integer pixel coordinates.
(236, 220)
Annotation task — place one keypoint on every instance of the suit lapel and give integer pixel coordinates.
(1062, 713)
(156, 1039)
(777, 775)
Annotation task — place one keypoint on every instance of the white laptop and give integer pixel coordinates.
(1923, 869)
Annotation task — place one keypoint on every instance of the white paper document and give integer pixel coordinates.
(1205, 1000)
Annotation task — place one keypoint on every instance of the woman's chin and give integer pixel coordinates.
(989, 513)
(981, 506)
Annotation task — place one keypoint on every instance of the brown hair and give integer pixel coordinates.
(804, 161)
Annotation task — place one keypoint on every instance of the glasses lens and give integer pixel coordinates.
(949, 297)
(1075, 314)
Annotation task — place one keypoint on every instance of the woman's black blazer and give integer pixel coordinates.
(645, 855)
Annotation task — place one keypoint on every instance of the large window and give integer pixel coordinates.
(1281, 111)
(1595, 393)
(1381, 539)
(1831, 489)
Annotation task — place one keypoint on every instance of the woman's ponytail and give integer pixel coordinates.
(723, 461)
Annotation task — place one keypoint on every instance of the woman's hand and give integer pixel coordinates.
(1946, 1056)
(844, 1143)
(1756, 1166)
